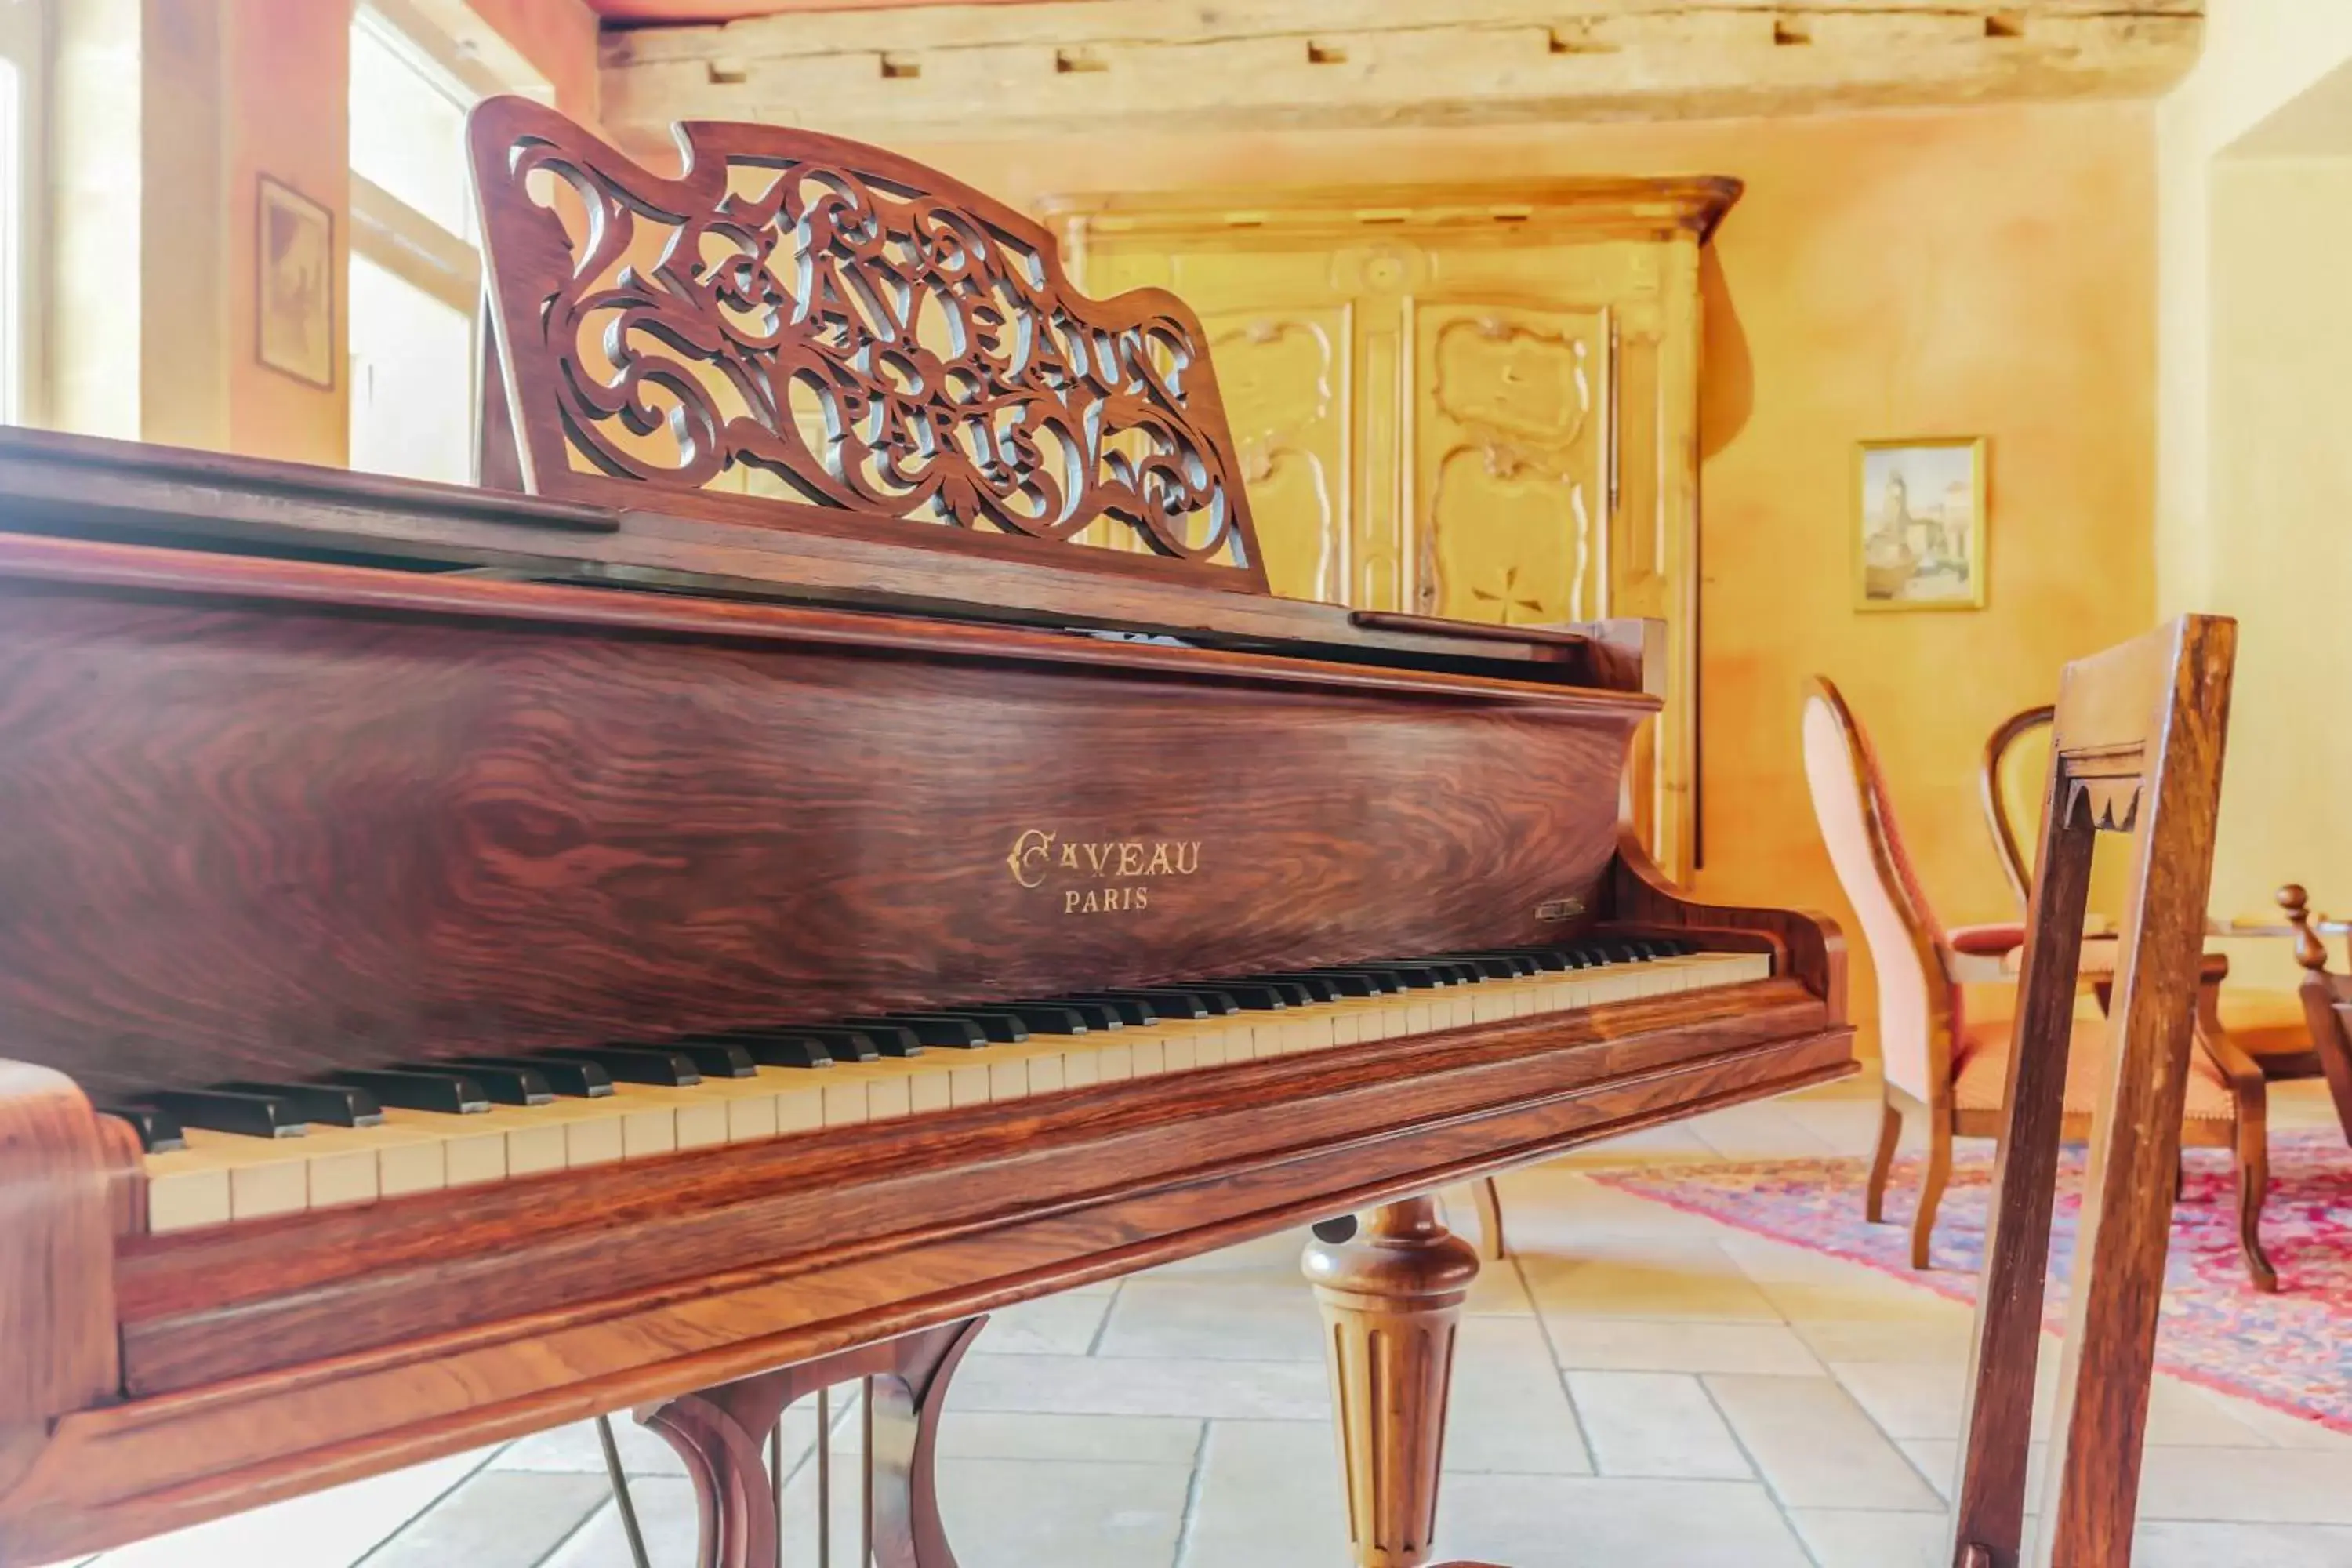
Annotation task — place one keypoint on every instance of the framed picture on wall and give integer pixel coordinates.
(295, 285)
(1919, 524)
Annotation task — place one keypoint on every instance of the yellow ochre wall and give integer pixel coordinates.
(1984, 272)
(2254, 172)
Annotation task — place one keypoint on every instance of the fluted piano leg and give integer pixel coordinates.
(1390, 1299)
(719, 1433)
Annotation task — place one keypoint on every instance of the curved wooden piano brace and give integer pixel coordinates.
(719, 1433)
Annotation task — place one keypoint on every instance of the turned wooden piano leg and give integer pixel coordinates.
(1390, 1299)
(721, 1432)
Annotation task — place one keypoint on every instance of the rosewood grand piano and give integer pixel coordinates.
(834, 839)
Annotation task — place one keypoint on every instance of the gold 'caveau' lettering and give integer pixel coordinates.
(1040, 855)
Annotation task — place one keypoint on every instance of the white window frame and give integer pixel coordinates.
(24, 230)
(445, 41)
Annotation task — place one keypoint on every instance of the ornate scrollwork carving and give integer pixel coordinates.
(808, 317)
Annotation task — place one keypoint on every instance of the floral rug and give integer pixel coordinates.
(2291, 1351)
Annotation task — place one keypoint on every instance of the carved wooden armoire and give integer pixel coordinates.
(1476, 401)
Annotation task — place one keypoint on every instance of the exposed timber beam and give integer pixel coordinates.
(1072, 67)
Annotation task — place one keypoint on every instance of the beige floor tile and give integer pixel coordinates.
(1816, 1447)
(666, 1513)
(1052, 1325)
(1215, 1317)
(1660, 1424)
(2286, 1431)
(1059, 1513)
(1272, 1259)
(331, 1529)
(573, 1447)
(1139, 1386)
(1660, 1277)
(1585, 1521)
(2269, 1486)
(1112, 1439)
(1933, 1337)
(1634, 1345)
(1858, 1537)
(1509, 1412)
(1764, 1131)
(1268, 1498)
(2167, 1544)
(1674, 1142)
(498, 1519)
(1919, 1400)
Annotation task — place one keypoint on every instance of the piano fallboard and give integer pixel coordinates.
(389, 816)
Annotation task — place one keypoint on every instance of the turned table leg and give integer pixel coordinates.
(1391, 1299)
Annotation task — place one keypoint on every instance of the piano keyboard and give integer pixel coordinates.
(249, 1151)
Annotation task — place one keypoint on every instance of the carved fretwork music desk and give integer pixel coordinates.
(830, 840)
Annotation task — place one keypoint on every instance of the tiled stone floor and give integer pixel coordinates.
(1638, 1388)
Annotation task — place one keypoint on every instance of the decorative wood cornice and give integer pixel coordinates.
(1595, 208)
(1072, 67)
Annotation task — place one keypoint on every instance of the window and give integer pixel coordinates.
(416, 269)
(20, 206)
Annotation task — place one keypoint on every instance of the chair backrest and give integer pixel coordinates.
(2016, 756)
(2135, 747)
(2326, 1004)
(1916, 1008)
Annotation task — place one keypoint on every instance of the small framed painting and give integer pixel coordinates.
(295, 285)
(1919, 524)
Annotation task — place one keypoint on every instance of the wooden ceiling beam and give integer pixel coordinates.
(1062, 66)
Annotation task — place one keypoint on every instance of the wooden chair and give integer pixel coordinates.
(1941, 1053)
(2267, 1025)
(2326, 1004)
(2137, 747)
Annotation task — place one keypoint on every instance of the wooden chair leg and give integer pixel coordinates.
(1882, 1164)
(2253, 1188)
(1492, 1247)
(1931, 1194)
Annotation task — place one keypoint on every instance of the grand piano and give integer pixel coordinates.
(832, 838)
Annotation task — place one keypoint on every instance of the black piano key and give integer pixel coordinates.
(504, 1085)
(1382, 982)
(158, 1134)
(1547, 959)
(1337, 983)
(1190, 1002)
(952, 1031)
(1001, 1026)
(890, 1039)
(1045, 1017)
(225, 1110)
(1128, 1010)
(572, 1080)
(1410, 977)
(715, 1059)
(781, 1050)
(1166, 1003)
(1257, 995)
(1093, 1014)
(634, 1064)
(328, 1104)
(1501, 963)
(1452, 971)
(846, 1044)
(1307, 988)
(434, 1089)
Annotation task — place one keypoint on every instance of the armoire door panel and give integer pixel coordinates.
(1511, 462)
(1284, 377)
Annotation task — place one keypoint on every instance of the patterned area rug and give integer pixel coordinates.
(2291, 1351)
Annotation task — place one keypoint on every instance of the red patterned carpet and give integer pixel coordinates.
(2291, 1351)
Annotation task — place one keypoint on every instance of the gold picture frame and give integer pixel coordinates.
(1919, 523)
(294, 285)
